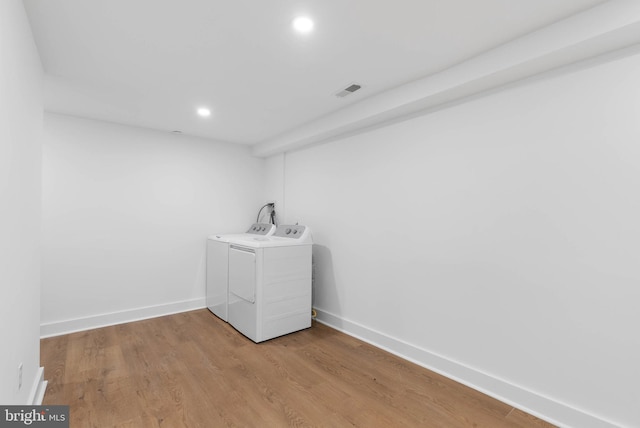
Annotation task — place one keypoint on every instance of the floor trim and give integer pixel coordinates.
(36, 395)
(73, 325)
(537, 405)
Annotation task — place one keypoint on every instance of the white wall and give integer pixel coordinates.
(274, 181)
(500, 235)
(126, 216)
(20, 206)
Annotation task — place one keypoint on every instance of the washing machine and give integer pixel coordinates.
(217, 266)
(270, 283)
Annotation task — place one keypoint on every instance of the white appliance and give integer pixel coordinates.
(270, 283)
(218, 266)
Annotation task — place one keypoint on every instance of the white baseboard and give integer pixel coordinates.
(542, 407)
(36, 395)
(103, 320)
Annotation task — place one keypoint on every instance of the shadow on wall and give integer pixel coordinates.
(325, 294)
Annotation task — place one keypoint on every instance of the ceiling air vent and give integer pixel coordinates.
(348, 90)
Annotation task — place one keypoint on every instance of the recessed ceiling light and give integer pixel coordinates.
(303, 24)
(204, 112)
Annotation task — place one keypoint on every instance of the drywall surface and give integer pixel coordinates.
(126, 213)
(20, 206)
(274, 181)
(500, 235)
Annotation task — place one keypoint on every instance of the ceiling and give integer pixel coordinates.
(152, 63)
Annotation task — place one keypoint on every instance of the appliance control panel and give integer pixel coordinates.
(260, 228)
(294, 231)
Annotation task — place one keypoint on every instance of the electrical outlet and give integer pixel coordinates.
(19, 376)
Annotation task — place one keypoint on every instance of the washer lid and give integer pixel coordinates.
(260, 229)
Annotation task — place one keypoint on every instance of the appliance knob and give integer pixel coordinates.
(288, 231)
(295, 231)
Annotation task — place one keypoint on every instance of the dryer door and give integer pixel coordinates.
(242, 272)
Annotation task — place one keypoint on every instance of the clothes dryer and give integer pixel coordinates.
(270, 283)
(217, 288)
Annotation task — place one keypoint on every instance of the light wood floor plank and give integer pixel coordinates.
(193, 370)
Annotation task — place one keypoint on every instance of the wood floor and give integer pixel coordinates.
(193, 370)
